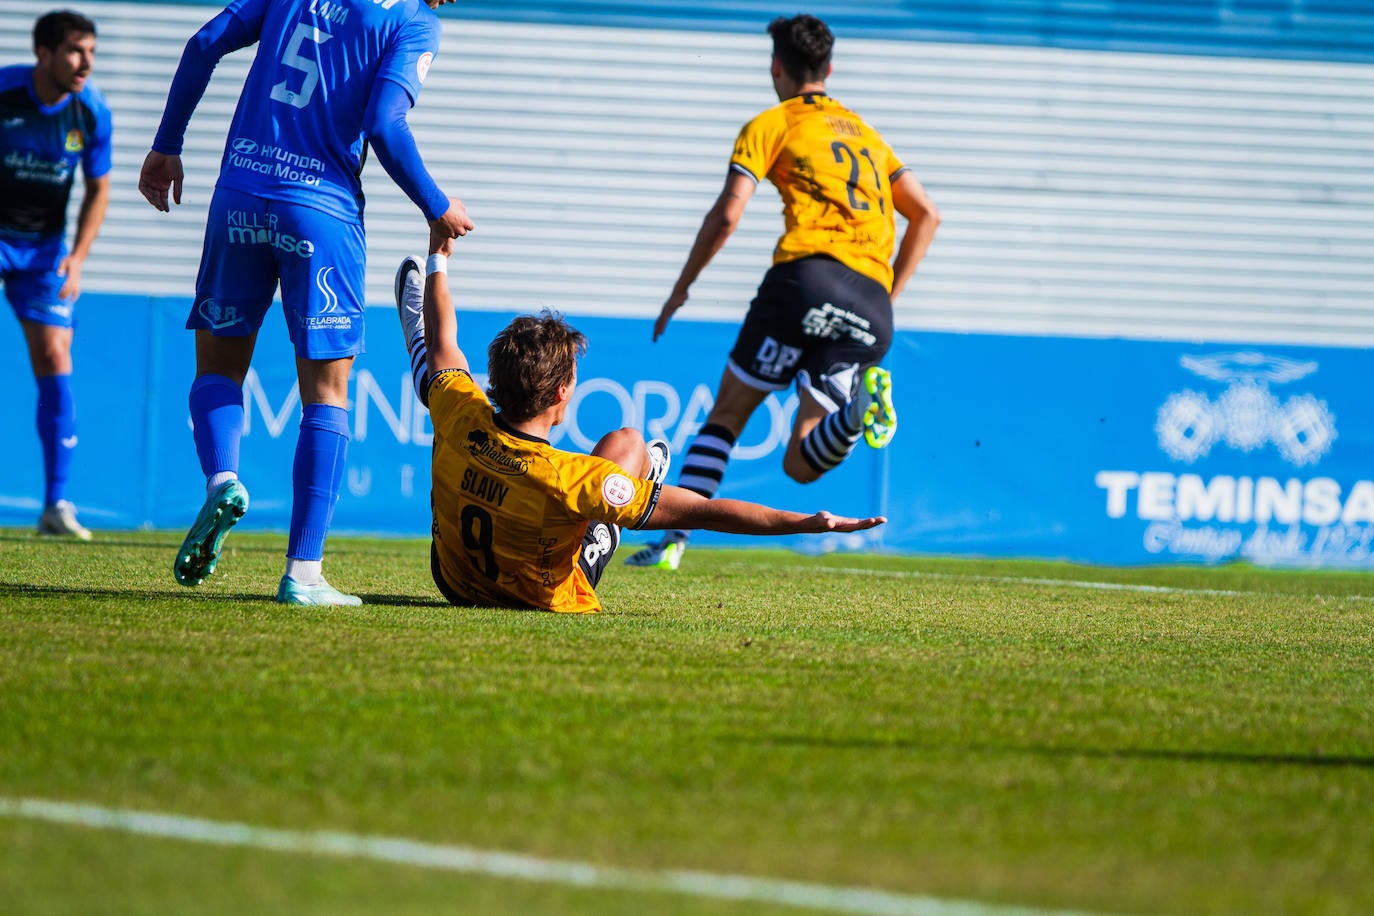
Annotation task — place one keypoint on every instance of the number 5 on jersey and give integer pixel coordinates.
(291, 57)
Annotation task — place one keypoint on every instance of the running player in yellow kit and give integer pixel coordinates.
(517, 522)
(823, 314)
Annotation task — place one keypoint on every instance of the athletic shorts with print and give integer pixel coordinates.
(817, 321)
(251, 244)
(33, 287)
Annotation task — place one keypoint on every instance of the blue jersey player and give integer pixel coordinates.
(331, 80)
(51, 120)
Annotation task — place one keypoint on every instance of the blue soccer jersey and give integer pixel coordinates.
(40, 147)
(297, 134)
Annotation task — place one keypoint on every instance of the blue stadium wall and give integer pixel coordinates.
(1009, 446)
(1296, 29)
(1142, 335)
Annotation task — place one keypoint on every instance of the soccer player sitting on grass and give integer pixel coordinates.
(517, 522)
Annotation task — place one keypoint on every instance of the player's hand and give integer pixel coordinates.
(70, 268)
(159, 173)
(453, 224)
(824, 521)
(675, 301)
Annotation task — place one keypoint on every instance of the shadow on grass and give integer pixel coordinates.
(22, 589)
(168, 542)
(405, 601)
(1359, 761)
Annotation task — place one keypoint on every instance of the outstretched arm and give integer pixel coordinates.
(716, 228)
(441, 322)
(385, 125)
(909, 198)
(679, 508)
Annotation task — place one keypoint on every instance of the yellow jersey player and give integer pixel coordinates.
(823, 313)
(517, 522)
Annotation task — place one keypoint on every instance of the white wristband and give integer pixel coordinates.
(438, 264)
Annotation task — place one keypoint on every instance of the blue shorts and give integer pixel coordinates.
(29, 272)
(251, 243)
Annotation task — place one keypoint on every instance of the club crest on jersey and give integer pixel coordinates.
(494, 456)
(618, 489)
(422, 65)
(75, 142)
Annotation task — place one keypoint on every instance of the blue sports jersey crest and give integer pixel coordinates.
(297, 133)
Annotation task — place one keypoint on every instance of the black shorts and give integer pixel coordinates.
(598, 544)
(817, 321)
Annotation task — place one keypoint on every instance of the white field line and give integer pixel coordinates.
(1056, 583)
(509, 866)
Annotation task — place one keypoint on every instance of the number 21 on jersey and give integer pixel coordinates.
(844, 154)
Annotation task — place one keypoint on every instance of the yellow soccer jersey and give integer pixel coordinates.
(834, 173)
(510, 510)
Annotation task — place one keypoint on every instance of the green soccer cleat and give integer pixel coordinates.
(880, 419)
(199, 553)
(320, 594)
(666, 554)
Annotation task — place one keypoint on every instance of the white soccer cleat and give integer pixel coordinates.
(667, 553)
(410, 298)
(59, 520)
(660, 459)
(410, 308)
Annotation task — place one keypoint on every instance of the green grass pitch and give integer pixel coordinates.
(997, 734)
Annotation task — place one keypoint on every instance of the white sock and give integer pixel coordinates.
(305, 572)
(218, 480)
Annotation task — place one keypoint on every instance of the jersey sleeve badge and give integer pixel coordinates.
(617, 490)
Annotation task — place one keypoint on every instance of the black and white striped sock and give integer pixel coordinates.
(833, 439)
(704, 465)
(419, 366)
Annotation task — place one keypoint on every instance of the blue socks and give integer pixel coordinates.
(317, 477)
(56, 433)
(217, 421)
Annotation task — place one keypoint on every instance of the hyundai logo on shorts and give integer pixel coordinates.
(245, 146)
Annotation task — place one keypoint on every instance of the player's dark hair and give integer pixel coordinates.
(802, 46)
(52, 29)
(529, 360)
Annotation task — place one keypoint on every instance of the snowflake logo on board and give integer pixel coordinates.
(1247, 415)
